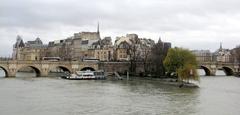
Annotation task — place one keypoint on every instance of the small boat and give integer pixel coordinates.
(85, 75)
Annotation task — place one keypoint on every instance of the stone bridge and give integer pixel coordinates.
(42, 68)
(210, 68)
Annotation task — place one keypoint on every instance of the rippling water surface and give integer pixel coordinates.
(55, 96)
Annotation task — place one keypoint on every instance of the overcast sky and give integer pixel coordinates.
(193, 24)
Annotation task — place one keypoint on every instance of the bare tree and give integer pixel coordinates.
(134, 53)
(146, 52)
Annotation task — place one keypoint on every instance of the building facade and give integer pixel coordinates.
(31, 50)
(86, 45)
(17, 48)
(122, 51)
(203, 55)
(220, 55)
(102, 49)
(131, 47)
(223, 55)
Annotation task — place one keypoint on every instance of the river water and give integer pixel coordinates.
(217, 95)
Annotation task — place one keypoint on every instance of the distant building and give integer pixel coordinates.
(60, 48)
(236, 54)
(223, 55)
(146, 47)
(122, 51)
(35, 43)
(31, 50)
(125, 45)
(86, 45)
(102, 50)
(126, 38)
(17, 48)
(203, 55)
(75, 47)
(88, 35)
(166, 45)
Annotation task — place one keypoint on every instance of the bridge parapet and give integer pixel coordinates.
(219, 63)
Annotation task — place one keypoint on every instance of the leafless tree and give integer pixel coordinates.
(146, 52)
(134, 53)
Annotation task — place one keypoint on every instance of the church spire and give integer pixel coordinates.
(98, 28)
(220, 45)
(159, 40)
(98, 32)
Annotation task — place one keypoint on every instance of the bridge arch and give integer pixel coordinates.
(58, 70)
(87, 68)
(5, 71)
(36, 69)
(64, 68)
(228, 70)
(206, 70)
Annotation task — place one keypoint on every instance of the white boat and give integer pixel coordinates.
(85, 75)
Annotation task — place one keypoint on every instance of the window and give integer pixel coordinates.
(85, 42)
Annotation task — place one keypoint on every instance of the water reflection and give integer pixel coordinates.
(2, 73)
(55, 74)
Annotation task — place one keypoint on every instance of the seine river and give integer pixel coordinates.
(219, 95)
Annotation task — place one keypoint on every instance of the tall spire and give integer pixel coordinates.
(220, 45)
(98, 32)
(98, 28)
(159, 40)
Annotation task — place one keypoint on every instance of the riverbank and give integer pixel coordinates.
(166, 81)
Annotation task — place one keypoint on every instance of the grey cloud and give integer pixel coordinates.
(177, 20)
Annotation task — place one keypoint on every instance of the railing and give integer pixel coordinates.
(43, 62)
(217, 63)
(80, 62)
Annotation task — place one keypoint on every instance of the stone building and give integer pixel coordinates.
(85, 45)
(126, 38)
(31, 50)
(102, 50)
(74, 47)
(132, 44)
(122, 51)
(203, 55)
(124, 46)
(60, 48)
(17, 48)
(32, 53)
(146, 46)
(80, 48)
(236, 54)
(223, 55)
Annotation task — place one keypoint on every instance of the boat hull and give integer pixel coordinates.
(85, 75)
(83, 78)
